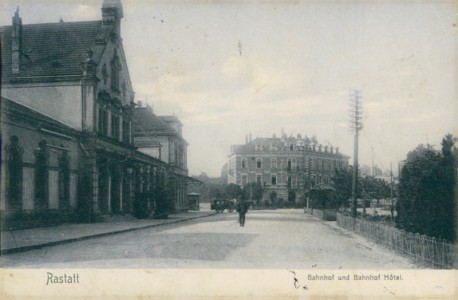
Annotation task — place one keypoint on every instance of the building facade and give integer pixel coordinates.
(161, 137)
(67, 125)
(285, 165)
(39, 162)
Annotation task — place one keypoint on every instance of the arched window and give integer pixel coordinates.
(14, 174)
(103, 120)
(41, 176)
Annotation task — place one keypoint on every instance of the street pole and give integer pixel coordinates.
(355, 125)
(391, 192)
(354, 185)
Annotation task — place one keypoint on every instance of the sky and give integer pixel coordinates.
(230, 68)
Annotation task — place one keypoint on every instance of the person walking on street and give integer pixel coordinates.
(242, 208)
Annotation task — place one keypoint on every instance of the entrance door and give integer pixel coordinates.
(115, 192)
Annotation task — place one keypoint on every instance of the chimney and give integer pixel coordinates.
(326, 149)
(139, 103)
(112, 14)
(299, 136)
(16, 32)
(332, 149)
(337, 150)
(319, 148)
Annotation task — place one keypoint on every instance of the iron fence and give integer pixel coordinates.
(423, 250)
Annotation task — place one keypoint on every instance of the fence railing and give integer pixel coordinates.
(422, 249)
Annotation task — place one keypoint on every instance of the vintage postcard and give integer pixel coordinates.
(236, 149)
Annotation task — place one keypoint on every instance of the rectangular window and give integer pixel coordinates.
(273, 179)
(259, 179)
(293, 164)
(259, 163)
(289, 165)
(243, 163)
(274, 163)
(125, 131)
(294, 182)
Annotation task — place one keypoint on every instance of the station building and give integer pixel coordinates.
(67, 123)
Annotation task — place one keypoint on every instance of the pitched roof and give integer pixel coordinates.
(146, 141)
(51, 49)
(170, 119)
(146, 122)
(266, 143)
(17, 110)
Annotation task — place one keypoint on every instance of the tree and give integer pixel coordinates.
(444, 222)
(212, 187)
(215, 191)
(273, 197)
(253, 191)
(291, 195)
(426, 201)
(232, 191)
(375, 188)
(342, 183)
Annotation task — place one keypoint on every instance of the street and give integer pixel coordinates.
(282, 238)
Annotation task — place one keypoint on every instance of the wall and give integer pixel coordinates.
(154, 152)
(29, 138)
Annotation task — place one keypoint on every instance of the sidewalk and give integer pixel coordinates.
(34, 238)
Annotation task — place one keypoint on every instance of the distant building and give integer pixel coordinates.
(374, 171)
(284, 165)
(224, 173)
(364, 170)
(400, 166)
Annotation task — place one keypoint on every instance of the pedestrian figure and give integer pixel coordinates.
(242, 208)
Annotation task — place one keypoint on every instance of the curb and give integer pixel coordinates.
(87, 237)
